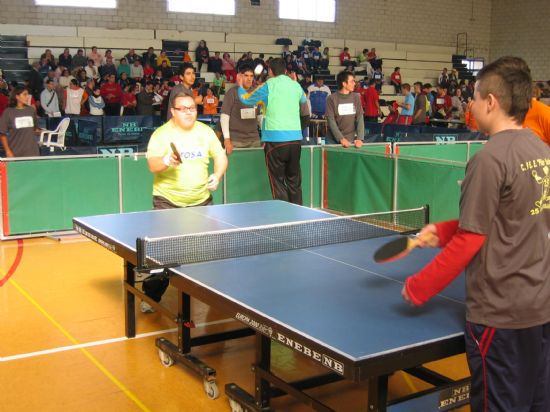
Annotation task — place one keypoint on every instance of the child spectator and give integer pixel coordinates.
(210, 103)
(202, 54)
(219, 85)
(96, 103)
(129, 101)
(228, 67)
(396, 80)
(378, 76)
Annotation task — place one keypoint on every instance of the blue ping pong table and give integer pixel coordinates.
(332, 304)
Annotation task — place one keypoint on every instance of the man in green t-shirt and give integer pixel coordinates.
(183, 181)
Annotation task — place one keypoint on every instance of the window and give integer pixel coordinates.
(475, 65)
(225, 7)
(105, 4)
(314, 10)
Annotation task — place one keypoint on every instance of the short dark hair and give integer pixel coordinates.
(278, 66)
(397, 68)
(427, 86)
(508, 79)
(406, 86)
(180, 95)
(245, 68)
(371, 82)
(186, 66)
(342, 78)
(419, 84)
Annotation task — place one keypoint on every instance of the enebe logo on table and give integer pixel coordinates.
(323, 359)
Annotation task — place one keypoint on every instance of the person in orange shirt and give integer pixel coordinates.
(469, 117)
(538, 117)
(210, 103)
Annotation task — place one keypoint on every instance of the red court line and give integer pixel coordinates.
(4, 196)
(15, 263)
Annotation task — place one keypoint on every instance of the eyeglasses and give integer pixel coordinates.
(186, 109)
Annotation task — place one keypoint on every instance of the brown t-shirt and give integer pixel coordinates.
(347, 112)
(506, 196)
(243, 126)
(19, 125)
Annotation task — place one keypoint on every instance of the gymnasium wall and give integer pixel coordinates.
(402, 21)
(523, 29)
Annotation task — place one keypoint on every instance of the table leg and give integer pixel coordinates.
(130, 300)
(378, 393)
(263, 361)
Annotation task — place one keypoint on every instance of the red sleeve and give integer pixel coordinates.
(446, 266)
(446, 230)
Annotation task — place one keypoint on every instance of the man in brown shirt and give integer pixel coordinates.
(503, 237)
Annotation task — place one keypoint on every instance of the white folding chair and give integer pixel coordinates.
(58, 134)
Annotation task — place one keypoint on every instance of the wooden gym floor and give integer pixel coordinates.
(62, 344)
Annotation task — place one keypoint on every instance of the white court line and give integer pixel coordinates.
(104, 342)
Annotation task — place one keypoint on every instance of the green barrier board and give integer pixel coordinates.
(137, 184)
(454, 152)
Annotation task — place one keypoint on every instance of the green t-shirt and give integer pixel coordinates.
(184, 185)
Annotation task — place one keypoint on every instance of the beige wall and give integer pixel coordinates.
(374, 20)
(523, 29)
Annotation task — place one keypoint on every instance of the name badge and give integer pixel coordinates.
(23, 122)
(210, 101)
(248, 113)
(440, 101)
(397, 77)
(345, 109)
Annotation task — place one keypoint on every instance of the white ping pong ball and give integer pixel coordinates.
(258, 70)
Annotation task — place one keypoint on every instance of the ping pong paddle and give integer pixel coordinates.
(175, 151)
(398, 248)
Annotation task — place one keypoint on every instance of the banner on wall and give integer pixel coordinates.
(129, 128)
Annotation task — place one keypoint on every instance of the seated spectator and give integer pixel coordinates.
(407, 107)
(166, 71)
(82, 78)
(443, 104)
(157, 99)
(65, 59)
(96, 103)
(123, 67)
(210, 103)
(49, 58)
(393, 115)
(215, 63)
(345, 58)
(144, 106)
(79, 60)
(306, 82)
(443, 79)
(314, 61)
(396, 80)
(163, 58)
(124, 80)
(108, 55)
(44, 67)
(301, 67)
(50, 76)
(112, 95)
(4, 99)
(164, 92)
(218, 86)
(91, 70)
(95, 56)
(108, 68)
(373, 59)
(74, 97)
(229, 68)
(453, 76)
(65, 78)
(148, 72)
(129, 101)
(325, 59)
(318, 94)
(136, 71)
(362, 58)
(202, 54)
(131, 56)
(186, 57)
(49, 100)
(149, 57)
(157, 77)
(286, 52)
(378, 76)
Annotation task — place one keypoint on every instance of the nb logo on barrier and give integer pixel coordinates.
(442, 138)
(115, 150)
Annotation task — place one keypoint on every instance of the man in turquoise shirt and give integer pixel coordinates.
(281, 129)
(407, 107)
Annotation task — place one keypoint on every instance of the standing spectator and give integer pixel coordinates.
(427, 90)
(123, 67)
(82, 78)
(91, 70)
(19, 125)
(4, 99)
(286, 52)
(145, 100)
(65, 59)
(228, 67)
(136, 71)
(148, 72)
(45, 67)
(237, 120)
(96, 103)
(131, 56)
(108, 55)
(345, 113)
(318, 94)
(112, 95)
(163, 58)
(164, 92)
(129, 101)
(378, 76)
(108, 68)
(95, 56)
(281, 130)
(420, 104)
(407, 106)
(371, 102)
(219, 85)
(457, 110)
(79, 60)
(443, 79)
(49, 58)
(124, 80)
(166, 71)
(443, 104)
(396, 80)
(215, 63)
(187, 78)
(74, 99)
(49, 100)
(149, 57)
(210, 105)
(36, 83)
(202, 54)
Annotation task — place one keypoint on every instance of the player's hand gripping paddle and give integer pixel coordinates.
(175, 151)
(401, 247)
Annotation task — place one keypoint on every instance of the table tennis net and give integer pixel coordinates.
(232, 243)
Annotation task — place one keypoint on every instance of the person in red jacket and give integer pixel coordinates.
(112, 95)
(370, 102)
(502, 239)
(443, 104)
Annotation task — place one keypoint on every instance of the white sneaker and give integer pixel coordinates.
(145, 307)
